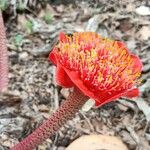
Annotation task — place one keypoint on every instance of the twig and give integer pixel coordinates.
(88, 121)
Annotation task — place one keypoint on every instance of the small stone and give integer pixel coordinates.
(88, 105)
(64, 92)
(61, 148)
(23, 56)
(95, 142)
(143, 10)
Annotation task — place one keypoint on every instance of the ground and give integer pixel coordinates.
(33, 95)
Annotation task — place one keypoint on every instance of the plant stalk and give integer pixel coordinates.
(64, 113)
(3, 57)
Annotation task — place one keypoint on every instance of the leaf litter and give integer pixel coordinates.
(33, 94)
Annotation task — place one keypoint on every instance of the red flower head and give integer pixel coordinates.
(102, 69)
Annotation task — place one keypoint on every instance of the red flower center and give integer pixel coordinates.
(101, 63)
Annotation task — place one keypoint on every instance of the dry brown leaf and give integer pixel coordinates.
(144, 33)
(144, 107)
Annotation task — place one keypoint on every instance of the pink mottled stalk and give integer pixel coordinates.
(65, 112)
(3, 57)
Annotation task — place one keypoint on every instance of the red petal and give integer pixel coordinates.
(62, 78)
(103, 100)
(78, 82)
(52, 57)
(132, 93)
(62, 37)
(137, 66)
(108, 98)
(137, 62)
(122, 45)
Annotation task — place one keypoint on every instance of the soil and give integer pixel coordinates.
(33, 94)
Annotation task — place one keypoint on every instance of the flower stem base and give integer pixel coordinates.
(66, 112)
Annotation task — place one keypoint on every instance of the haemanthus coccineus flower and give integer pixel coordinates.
(102, 69)
(97, 68)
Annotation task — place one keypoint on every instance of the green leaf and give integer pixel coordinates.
(4, 4)
(48, 18)
(29, 26)
(18, 39)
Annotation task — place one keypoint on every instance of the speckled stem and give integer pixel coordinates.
(65, 112)
(3, 57)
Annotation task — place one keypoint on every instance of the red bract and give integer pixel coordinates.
(102, 69)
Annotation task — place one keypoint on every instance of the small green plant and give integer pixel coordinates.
(18, 40)
(28, 26)
(48, 18)
(21, 5)
(4, 4)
